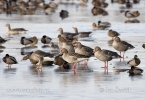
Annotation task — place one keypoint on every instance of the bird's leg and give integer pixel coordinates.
(86, 64)
(121, 56)
(8, 66)
(40, 65)
(74, 66)
(105, 65)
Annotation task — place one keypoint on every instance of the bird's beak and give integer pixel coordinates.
(22, 59)
(94, 51)
(60, 53)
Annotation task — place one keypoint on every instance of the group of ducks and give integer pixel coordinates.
(31, 7)
(71, 51)
(100, 4)
(124, 1)
(98, 8)
(27, 7)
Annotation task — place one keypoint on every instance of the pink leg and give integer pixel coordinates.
(74, 67)
(86, 64)
(121, 56)
(105, 65)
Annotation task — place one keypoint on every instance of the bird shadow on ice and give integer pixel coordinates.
(36, 72)
(10, 70)
(135, 77)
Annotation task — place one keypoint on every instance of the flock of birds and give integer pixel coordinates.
(32, 7)
(100, 5)
(70, 51)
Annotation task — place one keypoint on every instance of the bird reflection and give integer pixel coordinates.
(1, 51)
(10, 70)
(24, 51)
(132, 21)
(34, 71)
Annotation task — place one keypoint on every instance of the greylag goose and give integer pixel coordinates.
(95, 27)
(58, 60)
(64, 44)
(29, 41)
(53, 46)
(112, 33)
(39, 57)
(83, 50)
(72, 58)
(104, 24)
(133, 14)
(15, 30)
(105, 55)
(9, 60)
(45, 39)
(134, 62)
(121, 46)
(135, 71)
(67, 35)
(97, 11)
(81, 34)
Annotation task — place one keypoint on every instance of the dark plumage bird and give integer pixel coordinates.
(128, 4)
(136, 1)
(143, 46)
(29, 41)
(9, 60)
(134, 62)
(45, 39)
(58, 60)
(135, 71)
(64, 14)
(2, 40)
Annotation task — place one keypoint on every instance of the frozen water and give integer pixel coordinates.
(24, 82)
